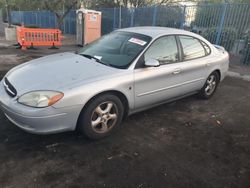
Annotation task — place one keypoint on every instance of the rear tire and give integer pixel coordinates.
(101, 117)
(210, 86)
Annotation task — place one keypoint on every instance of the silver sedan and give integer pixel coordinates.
(121, 73)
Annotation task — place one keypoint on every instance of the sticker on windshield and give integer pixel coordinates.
(137, 41)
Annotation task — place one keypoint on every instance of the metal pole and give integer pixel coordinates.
(120, 17)
(64, 27)
(221, 24)
(114, 18)
(183, 17)
(20, 18)
(154, 16)
(132, 17)
(36, 19)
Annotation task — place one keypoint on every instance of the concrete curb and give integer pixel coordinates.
(238, 75)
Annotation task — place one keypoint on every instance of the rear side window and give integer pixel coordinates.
(192, 48)
(206, 47)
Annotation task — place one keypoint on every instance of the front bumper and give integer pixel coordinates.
(38, 120)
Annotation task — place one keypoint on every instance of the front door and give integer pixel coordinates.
(156, 84)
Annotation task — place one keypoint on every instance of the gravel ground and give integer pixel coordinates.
(189, 143)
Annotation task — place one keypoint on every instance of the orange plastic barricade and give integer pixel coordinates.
(30, 37)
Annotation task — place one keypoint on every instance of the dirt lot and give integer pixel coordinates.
(189, 143)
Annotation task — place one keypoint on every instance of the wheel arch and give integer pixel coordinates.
(119, 94)
(218, 72)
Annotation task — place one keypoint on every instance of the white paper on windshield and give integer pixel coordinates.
(137, 41)
(98, 57)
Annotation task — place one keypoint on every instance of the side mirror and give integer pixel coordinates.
(152, 63)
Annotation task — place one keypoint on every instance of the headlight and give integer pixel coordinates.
(40, 99)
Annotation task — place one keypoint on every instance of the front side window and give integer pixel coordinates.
(117, 49)
(164, 50)
(192, 48)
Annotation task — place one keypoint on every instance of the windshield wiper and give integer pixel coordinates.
(90, 57)
(95, 58)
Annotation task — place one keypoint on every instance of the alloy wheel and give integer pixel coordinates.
(210, 85)
(104, 117)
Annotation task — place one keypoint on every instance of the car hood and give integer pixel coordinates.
(55, 72)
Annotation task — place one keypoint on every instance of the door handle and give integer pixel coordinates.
(177, 71)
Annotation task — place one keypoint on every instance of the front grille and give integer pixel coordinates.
(9, 88)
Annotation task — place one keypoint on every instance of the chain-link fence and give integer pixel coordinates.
(44, 19)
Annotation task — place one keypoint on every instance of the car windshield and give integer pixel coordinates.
(117, 49)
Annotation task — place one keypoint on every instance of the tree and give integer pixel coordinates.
(23, 4)
(60, 8)
(125, 3)
(143, 3)
(223, 1)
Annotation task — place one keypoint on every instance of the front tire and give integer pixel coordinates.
(101, 117)
(210, 86)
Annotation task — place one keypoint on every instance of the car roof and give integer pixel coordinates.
(156, 32)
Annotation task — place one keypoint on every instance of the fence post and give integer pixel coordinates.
(114, 18)
(154, 16)
(132, 17)
(1, 23)
(219, 30)
(36, 20)
(120, 17)
(20, 17)
(49, 20)
(183, 17)
(64, 24)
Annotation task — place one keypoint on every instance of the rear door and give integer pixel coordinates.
(195, 61)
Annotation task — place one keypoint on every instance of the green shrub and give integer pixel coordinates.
(246, 50)
(227, 38)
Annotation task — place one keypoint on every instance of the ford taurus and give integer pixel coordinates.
(124, 72)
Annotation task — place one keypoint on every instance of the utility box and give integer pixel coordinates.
(88, 26)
